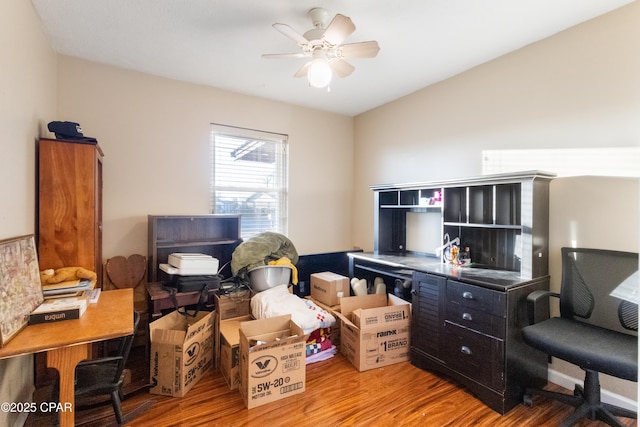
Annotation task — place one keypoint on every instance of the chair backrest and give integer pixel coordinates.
(588, 278)
(127, 342)
(126, 272)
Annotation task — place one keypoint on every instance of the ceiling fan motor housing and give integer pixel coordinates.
(319, 17)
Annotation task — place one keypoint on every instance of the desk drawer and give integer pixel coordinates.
(480, 299)
(475, 355)
(474, 319)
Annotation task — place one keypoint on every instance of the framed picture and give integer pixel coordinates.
(20, 290)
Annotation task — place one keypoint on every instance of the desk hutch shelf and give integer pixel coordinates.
(504, 219)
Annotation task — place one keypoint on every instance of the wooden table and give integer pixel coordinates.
(69, 341)
(159, 299)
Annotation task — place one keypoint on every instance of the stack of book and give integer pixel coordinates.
(191, 264)
(71, 288)
(65, 301)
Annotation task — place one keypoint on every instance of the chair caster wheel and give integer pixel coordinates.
(527, 400)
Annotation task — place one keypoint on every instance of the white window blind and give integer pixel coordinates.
(249, 177)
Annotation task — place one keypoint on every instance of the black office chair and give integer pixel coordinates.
(104, 376)
(595, 331)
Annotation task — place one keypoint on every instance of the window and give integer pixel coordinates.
(249, 177)
(610, 161)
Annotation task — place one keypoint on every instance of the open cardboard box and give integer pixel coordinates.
(229, 339)
(374, 330)
(272, 360)
(181, 352)
(232, 305)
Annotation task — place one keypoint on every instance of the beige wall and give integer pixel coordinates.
(27, 103)
(580, 88)
(155, 136)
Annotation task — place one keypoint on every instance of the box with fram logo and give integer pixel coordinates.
(375, 330)
(272, 360)
(181, 352)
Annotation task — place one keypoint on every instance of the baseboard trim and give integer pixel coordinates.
(568, 382)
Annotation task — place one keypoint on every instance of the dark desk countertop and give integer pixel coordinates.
(485, 277)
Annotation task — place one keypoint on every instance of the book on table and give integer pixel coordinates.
(67, 289)
(55, 310)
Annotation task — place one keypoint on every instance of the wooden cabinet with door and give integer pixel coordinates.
(69, 214)
(70, 205)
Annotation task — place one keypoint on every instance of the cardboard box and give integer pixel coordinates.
(229, 306)
(374, 330)
(181, 352)
(234, 304)
(272, 360)
(229, 332)
(328, 287)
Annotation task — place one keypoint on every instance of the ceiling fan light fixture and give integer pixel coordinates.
(320, 73)
(323, 44)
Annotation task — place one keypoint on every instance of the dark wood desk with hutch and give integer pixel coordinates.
(466, 321)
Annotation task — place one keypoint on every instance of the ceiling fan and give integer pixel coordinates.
(323, 46)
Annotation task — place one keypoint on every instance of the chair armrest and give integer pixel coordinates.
(538, 305)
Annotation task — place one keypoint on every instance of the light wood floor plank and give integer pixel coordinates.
(338, 395)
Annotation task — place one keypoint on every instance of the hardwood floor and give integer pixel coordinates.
(338, 395)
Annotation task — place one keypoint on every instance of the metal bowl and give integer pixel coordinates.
(269, 276)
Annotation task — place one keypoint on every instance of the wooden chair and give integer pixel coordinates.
(105, 375)
(121, 272)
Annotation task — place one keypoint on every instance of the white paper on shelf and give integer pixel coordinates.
(193, 261)
(190, 271)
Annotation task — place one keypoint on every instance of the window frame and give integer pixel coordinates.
(252, 225)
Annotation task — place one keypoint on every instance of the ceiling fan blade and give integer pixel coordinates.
(284, 55)
(291, 33)
(303, 71)
(339, 29)
(341, 68)
(358, 50)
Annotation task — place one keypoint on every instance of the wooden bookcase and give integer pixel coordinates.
(215, 235)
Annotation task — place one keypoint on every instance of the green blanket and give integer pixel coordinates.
(259, 250)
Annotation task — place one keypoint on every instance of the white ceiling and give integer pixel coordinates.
(220, 42)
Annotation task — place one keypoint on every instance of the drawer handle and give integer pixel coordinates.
(467, 316)
(465, 350)
(467, 295)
